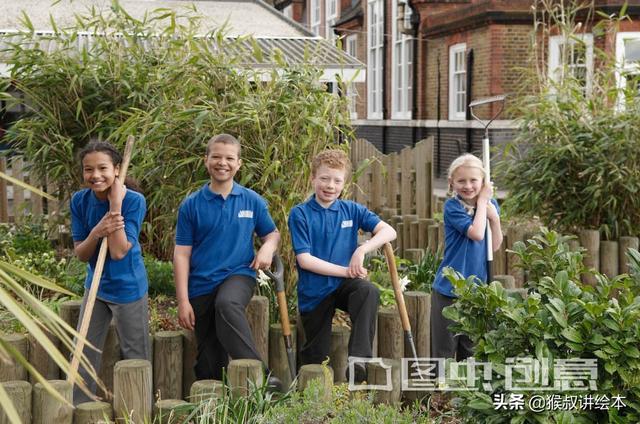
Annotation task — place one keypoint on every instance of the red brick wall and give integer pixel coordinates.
(498, 50)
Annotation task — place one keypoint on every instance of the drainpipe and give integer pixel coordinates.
(438, 112)
(384, 75)
(467, 114)
(414, 93)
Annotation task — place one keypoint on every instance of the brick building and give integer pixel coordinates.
(427, 59)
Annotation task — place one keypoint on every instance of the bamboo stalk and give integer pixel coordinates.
(97, 275)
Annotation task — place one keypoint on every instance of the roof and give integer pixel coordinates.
(270, 28)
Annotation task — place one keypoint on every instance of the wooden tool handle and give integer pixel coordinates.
(395, 282)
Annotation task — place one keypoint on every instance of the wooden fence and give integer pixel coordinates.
(400, 182)
(16, 201)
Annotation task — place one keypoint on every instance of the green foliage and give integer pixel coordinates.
(424, 273)
(379, 276)
(548, 253)
(171, 90)
(236, 410)
(160, 274)
(574, 162)
(311, 406)
(561, 318)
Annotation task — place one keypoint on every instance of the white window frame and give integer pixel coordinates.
(375, 45)
(455, 74)
(331, 10)
(556, 69)
(314, 16)
(351, 47)
(622, 67)
(402, 57)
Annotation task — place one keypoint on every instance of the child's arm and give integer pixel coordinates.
(118, 243)
(181, 262)
(382, 233)
(311, 263)
(269, 246)
(494, 224)
(477, 229)
(109, 224)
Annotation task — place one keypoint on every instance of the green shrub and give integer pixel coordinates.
(575, 158)
(561, 318)
(424, 273)
(343, 407)
(172, 98)
(160, 274)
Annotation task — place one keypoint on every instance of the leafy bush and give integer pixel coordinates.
(311, 407)
(548, 253)
(160, 274)
(561, 318)
(424, 273)
(574, 160)
(172, 97)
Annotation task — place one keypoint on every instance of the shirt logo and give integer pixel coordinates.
(245, 214)
(346, 224)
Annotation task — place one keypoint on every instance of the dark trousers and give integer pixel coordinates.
(222, 329)
(444, 343)
(360, 299)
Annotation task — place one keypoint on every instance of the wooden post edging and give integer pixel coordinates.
(339, 353)
(242, 374)
(278, 360)
(92, 413)
(167, 365)
(258, 318)
(323, 373)
(133, 390)
(390, 340)
(48, 409)
(385, 373)
(19, 393)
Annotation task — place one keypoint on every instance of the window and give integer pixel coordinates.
(402, 71)
(351, 47)
(331, 10)
(457, 82)
(314, 16)
(573, 57)
(628, 71)
(375, 36)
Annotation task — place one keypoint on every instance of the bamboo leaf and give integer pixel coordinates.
(26, 186)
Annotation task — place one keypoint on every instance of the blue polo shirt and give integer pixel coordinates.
(466, 256)
(220, 232)
(125, 280)
(330, 234)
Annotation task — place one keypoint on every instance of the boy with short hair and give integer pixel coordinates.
(214, 262)
(331, 274)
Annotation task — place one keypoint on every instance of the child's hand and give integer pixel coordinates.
(186, 317)
(356, 267)
(262, 260)
(110, 223)
(486, 192)
(116, 194)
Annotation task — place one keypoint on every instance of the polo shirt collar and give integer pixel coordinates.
(210, 195)
(317, 206)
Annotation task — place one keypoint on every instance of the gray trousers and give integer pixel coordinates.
(222, 329)
(132, 325)
(444, 343)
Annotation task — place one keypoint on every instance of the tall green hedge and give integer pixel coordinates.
(172, 97)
